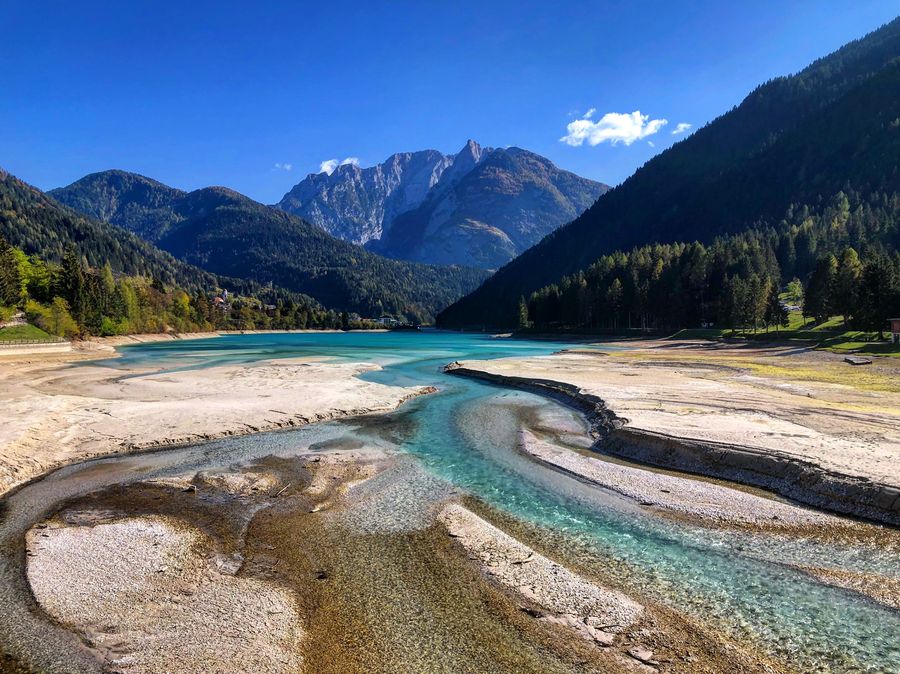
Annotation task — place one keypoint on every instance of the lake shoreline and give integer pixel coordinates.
(57, 415)
(798, 477)
(359, 530)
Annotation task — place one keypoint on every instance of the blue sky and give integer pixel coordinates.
(233, 93)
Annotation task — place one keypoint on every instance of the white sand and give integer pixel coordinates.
(820, 410)
(571, 599)
(53, 414)
(142, 593)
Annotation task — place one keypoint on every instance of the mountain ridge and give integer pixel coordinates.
(499, 208)
(745, 168)
(360, 205)
(225, 232)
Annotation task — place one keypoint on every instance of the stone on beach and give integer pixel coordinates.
(572, 599)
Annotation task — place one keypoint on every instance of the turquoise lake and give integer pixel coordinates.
(734, 581)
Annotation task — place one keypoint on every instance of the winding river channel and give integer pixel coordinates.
(742, 583)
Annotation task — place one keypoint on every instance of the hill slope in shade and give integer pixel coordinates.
(794, 140)
(30, 220)
(227, 233)
(480, 206)
(129, 200)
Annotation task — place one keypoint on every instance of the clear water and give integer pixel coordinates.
(736, 582)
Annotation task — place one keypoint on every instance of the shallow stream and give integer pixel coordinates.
(465, 435)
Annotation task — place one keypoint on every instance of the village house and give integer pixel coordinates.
(895, 330)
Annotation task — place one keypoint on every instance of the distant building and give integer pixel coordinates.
(388, 321)
(895, 330)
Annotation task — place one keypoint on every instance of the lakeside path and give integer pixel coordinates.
(55, 414)
(798, 421)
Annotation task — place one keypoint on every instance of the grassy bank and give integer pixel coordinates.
(830, 335)
(26, 331)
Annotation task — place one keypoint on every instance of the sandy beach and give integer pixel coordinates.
(793, 406)
(54, 413)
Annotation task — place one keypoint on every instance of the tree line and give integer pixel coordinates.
(736, 281)
(73, 299)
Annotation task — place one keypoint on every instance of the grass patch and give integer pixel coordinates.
(831, 373)
(866, 348)
(26, 331)
(829, 335)
(701, 333)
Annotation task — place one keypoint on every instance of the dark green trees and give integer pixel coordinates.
(879, 293)
(846, 284)
(735, 283)
(10, 276)
(820, 293)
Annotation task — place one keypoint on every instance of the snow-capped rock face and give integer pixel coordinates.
(357, 204)
(480, 207)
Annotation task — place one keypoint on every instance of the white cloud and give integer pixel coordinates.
(282, 166)
(613, 127)
(589, 113)
(681, 127)
(651, 143)
(329, 165)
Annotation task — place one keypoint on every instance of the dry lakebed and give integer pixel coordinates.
(341, 503)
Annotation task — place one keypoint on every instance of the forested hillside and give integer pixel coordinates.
(846, 250)
(72, 299)
(39, 225)
(75, 276)
(227, 233)
(139, 204)
(833, 127)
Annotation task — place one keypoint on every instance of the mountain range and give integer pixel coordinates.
(224, 232)
(795, 142)
(481, 206)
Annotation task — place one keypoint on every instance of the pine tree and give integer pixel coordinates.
(820, 291)
(877, 293)
(846, 286)
(614, 300)
(523, 314)
(10, 275)
(73, 284)
(776, 313)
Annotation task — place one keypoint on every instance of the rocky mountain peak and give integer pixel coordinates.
(522, 198)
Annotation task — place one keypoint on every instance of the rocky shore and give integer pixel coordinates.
(815, 443)
(293, 565)
(669, 494)
(150, 597)
(55, 414)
